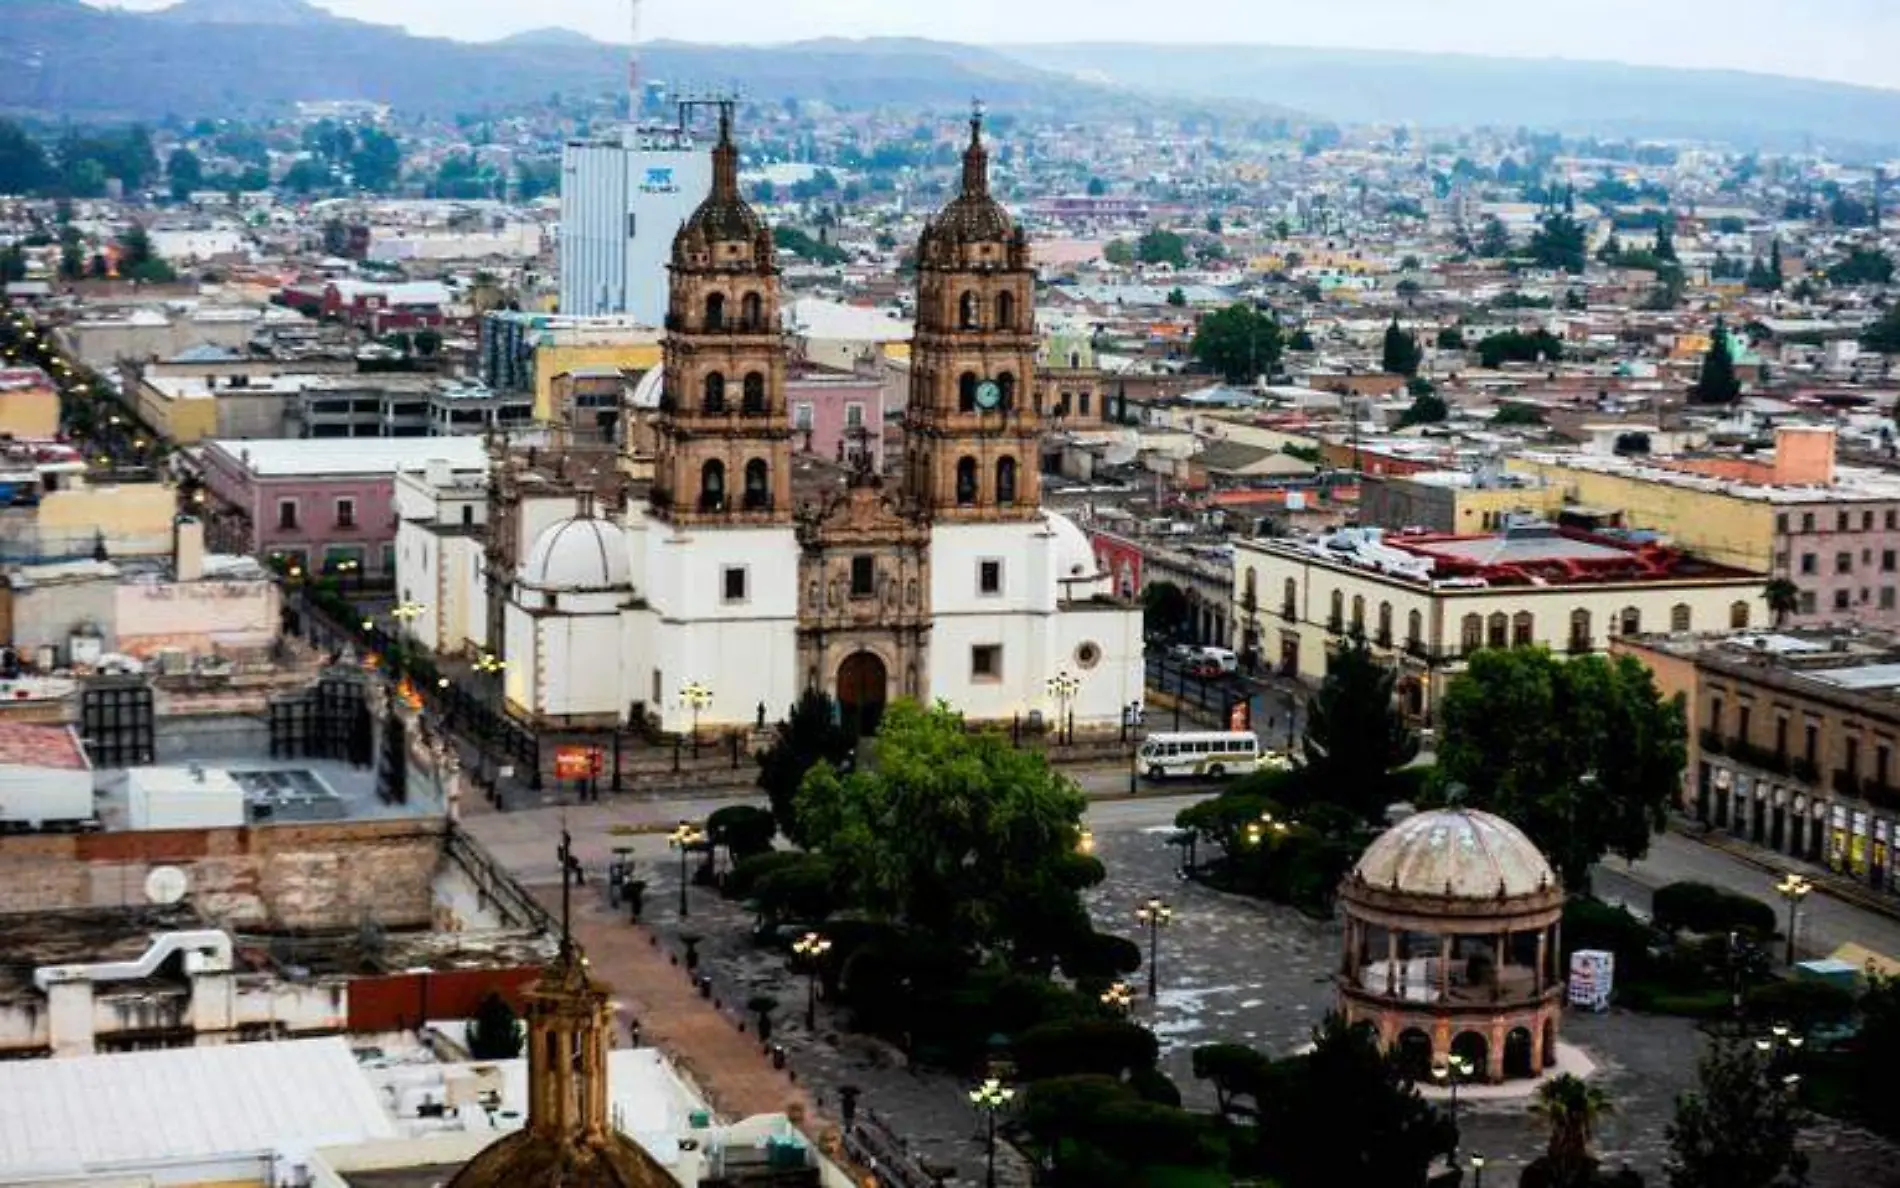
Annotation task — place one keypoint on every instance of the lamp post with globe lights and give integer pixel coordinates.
(1793, 888)
(810, 948)
(697, 697)
(1154, 914)
(989, 1097)
(1453, 1072)
(683, 838)
(1063, 687)
(1119, 997)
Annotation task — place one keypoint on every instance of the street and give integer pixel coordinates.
(1824, 923)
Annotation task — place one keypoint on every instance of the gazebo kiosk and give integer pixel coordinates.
(1453, 946)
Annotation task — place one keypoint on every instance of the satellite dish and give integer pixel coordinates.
(166, 884)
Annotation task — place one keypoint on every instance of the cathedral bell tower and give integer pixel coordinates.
(723, 451)
(973, 425)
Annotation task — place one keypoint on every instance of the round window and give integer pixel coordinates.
(1088, 655)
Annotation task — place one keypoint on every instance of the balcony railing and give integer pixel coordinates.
(1580, 646)
(1288, 611)
(1762, 757)
(1383, 639)
(1845, 782)
(1712, 741)
(1335, 624)
(1804, 770)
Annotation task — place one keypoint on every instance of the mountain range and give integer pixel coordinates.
(65, 59)
(1463, 91)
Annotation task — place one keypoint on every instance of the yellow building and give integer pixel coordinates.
(562, 358)
(1726, 522)
(1426, 602)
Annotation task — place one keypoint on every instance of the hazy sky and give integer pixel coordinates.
(1844, 40)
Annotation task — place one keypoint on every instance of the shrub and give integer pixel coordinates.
(1151, 1084)
(1112, 1047)
(746, 873)
(745, 831)
(1801, 1005)
(1698, 907)
(1101, 957)
(802, 891)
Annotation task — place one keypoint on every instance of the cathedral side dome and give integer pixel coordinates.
(1077, 571)
(527, 1157)
(1455, 854)
(583, 553)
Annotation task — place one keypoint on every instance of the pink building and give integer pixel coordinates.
(319, 503)
(834, 411)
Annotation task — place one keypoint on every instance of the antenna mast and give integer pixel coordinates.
(633, 65)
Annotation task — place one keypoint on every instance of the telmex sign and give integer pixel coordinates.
(659, 181)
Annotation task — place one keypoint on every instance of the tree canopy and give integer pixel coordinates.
(1863, 266)
(962, 836)
(1161, 246)
(1428, 408)
(1583, 755)
(1740, 1127)
(1515, 346)
(1401, 354)
(1718, 383)
(1395, 1134)
(1239, 343)
(1559, 243)
(811, 734)
(1355, 737)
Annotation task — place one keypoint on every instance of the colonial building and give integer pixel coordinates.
(722, 594)
(1426, 601)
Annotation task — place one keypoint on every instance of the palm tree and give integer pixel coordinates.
(1570, 1109)
(1783, 598)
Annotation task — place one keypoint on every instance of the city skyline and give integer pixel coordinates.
(1764, 36)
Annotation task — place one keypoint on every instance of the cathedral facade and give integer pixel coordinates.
(713, 591)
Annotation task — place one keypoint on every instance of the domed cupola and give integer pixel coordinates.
(974, 230)
(724, 234)
(584, 553)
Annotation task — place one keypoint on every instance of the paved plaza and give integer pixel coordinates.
(1231, 968)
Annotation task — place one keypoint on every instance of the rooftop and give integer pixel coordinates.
(1527, 554)
(32, 744)
(319, 457)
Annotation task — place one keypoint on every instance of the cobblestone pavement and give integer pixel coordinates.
(930, 1111)
(1236, 969)
(1230, 968)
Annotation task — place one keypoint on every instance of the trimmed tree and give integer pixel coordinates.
(1740, 1128)
(1718, 383)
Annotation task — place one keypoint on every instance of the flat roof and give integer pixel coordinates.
(86, 1115)
(296, 457)
(33, 744)
(1862, 678)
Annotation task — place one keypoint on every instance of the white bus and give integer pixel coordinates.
(1213, 754)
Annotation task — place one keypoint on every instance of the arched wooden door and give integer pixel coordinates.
(863, 688)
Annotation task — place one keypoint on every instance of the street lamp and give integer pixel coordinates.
(1477, 1171)
(1154, 914)
(1793, 888)
(684, 838)
(1119, 997)
(1063, 687)
(809, 949)
(697, 697)
(1085, 841)
(989, 1097)
(407, 612)
(1453, 1071)
(1781, 1045)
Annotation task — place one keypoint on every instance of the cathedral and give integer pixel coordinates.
(688, 585)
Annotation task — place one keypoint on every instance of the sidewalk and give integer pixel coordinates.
(704, 1042)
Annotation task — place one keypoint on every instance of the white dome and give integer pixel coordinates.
(583, 553)
(1075, 563)
(646, 393)
(1456, 854)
